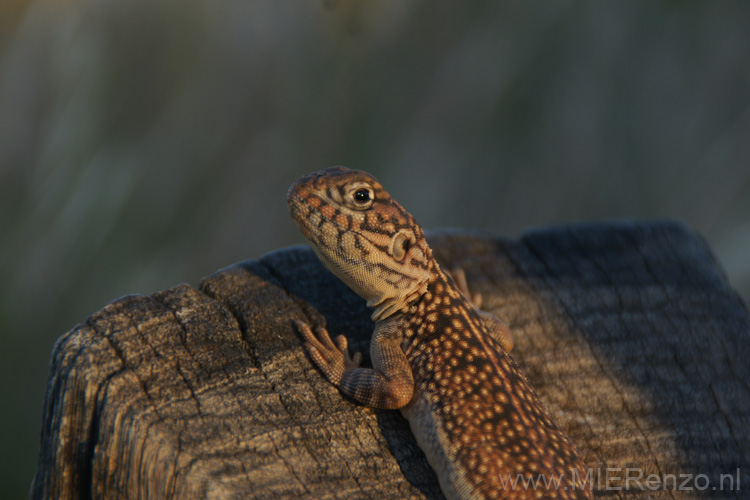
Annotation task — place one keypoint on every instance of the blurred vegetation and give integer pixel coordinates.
(144, 144)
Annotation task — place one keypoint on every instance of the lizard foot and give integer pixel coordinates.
(459, 276)
(332, 359)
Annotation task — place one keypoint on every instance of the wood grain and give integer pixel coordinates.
(629, 332)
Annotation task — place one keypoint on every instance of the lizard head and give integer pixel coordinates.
(363, 236)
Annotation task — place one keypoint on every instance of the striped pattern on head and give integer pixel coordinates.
(363, 236)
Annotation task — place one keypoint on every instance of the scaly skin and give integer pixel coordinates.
(434, 355)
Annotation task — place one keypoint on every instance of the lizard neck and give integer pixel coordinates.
(436, 308)
(391, 301)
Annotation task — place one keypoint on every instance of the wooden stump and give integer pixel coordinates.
(629, 332)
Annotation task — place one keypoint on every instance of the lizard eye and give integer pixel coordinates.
(359, 196)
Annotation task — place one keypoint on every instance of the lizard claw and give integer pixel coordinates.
(356, 360)
(349, 361)
(332, 359)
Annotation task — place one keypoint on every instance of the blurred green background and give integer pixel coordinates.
(147, 143)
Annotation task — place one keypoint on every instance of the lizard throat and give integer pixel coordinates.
(386, 290)
(387, 307)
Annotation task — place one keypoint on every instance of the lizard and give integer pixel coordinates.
(434, 355)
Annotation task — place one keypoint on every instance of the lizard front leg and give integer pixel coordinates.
(388, 384)
(495, 327)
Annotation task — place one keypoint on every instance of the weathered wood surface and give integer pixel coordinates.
(629, 332)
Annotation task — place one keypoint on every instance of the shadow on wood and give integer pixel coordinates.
(630, 334)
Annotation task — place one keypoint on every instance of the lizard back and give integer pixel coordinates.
(483, 428)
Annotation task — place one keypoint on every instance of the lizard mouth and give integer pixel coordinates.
(299, 210)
